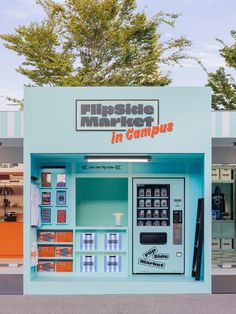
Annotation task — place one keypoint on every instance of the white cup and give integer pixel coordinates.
(117, 219)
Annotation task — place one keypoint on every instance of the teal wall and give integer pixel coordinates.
(98, 198)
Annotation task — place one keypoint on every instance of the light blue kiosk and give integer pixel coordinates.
(113, 182)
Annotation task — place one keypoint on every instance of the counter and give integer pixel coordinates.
(11, 239)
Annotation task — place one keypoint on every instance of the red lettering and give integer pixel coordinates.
(155, 130)
(170, 126)
(129, 134)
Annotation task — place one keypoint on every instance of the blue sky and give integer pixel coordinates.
(201, 21)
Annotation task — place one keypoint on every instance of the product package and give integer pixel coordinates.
(46, 179)
(163, 203)
(112, 241)
(48, 266)
(46, 198)
(88, 241)
(46, 251)
(46, 215)
(64, 266)
(141, 192)
(64, 251)
(61, 180)
(163, 192)
(88, 264)
(61, 216)
(112, 264)
(64, 236)
(47, 236)
(61, 198)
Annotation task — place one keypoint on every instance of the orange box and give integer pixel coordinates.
(64, 266)
(47, 266)
(64, 236)
(64, 251)
(47, 236)
(46, 251)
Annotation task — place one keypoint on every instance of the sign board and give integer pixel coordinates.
(116, 115)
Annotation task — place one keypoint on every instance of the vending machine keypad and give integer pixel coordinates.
(153, 205)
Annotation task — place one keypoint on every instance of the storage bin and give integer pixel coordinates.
(215, 244)
(225, 174)
(46, 236)
(215, 174)
(226, 244)
(64, 236)
(46, 251)
(64, 266)
(46, 266)
(63, 251)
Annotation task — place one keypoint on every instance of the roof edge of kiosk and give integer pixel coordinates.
(128, 223)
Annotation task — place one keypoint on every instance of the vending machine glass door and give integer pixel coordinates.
(158, 225)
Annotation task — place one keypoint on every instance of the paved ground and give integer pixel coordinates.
(173, 304)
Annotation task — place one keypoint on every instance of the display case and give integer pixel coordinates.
(223, 216)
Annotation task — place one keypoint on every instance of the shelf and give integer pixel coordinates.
(9, 184)
(100, 252)
(153, 207)
(46, 205)
(55, 227)
(62, 188)
(220, 181)
(11, 207)
(101, 228)
(153, 197)
(45, 188)
(55, 243)
(61, 205)
(153, 218)
(57, 258)
(223, 221)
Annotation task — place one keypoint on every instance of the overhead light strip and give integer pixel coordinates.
(117, 158)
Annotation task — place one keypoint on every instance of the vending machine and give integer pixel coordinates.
(158, 225)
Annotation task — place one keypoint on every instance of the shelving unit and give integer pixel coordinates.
(152, 202)
(223, 230)
(53, 191)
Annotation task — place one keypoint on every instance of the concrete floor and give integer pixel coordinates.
(172, 304)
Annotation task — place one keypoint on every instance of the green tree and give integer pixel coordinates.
(96, 42)
(223, 84)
